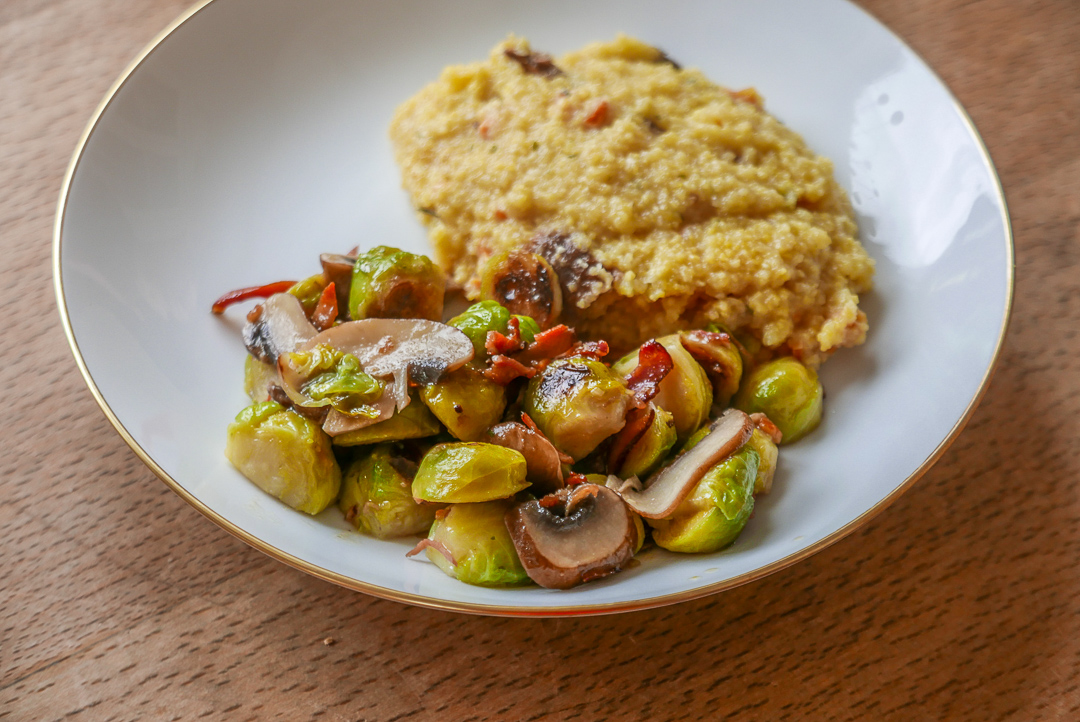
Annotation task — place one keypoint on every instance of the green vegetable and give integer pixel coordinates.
(651, 449)
(258, 377)
(483, 316)
(412, 422)
(308, 291)
(376, 496)
(768, 455)
(480, 548)
(577, 403)
(465, 401)
(528, 328)
(335, 379)
(285, 455)
(390, 283)
(786, 391)
(685, 392)
(469, 472)
(716, 511)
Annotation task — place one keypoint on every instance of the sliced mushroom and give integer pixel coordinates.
(542, 460)
(280, 327)
(667, 488)
(338, 270)
(573, 536)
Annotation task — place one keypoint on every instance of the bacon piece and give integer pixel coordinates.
(497, 343)
(654, 364)
(326, 311)
(436, 545)
(576, 479)
(548, 344)
(638, 422)
(592, 349)
(503, 369)
(766, 426)
(598, 115)
(243, 294)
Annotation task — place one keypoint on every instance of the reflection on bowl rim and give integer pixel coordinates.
(489, 609)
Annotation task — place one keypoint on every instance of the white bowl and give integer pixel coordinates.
(251, 136)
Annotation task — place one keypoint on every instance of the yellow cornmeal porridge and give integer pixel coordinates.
(670, 201)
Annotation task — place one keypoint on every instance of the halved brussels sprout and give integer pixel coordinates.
(651, 449)
(465, 401)
(326, 376)
(391, 283)
(376, 495)
(308, 291)
(716, 511)
(685, 392)
(285, 455)
(525, 283)
(415, 421)
(786, 391)
(469, 472)
(577, 403)
(259, 376)
(768, 455)
(471, 544)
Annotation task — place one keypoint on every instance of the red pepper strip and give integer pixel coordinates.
(497, 343)
(326, 311)
(654, 364)
(243, 294)
(504, 369)
(638, 422)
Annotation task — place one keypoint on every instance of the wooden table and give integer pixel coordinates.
(962, 601)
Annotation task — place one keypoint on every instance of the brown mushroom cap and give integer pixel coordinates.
(667, 488)
(281, 327)
(542, 462)
(573, 536)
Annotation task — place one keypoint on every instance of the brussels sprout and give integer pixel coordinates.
(651, 449)
(308, 291)
(525, 283)
(785, 391)
(577, 403)
(412, 422)
(469, 472)
(376, 496)
(484, 316)
(466, 402)
(390, 283)
(285, 455)
(332, 378)
(719, 356)
(767, 458)
(685, 392)
(479, 546)
(259, 376)
(716, 510)
(528, 328)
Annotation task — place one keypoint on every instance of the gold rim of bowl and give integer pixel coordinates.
(490, 609)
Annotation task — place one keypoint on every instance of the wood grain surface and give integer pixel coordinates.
(962, 601)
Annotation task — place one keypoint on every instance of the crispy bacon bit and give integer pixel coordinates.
(436, 545)
(440, 514)
(500, 214)
(503, 370)
(326, 311)
(598, 115)
(766, 426)
(748, 95)
(592, 349)
(575, 479)
(638, 422)
(497, 343)
(534, 63)
(550, 500)
(243, 294)
(654, 364)
(549, 344)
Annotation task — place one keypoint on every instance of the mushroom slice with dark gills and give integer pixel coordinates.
(391, 350)
(280, 326)
(667, 488)
(573, 536)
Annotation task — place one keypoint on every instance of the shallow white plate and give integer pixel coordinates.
(251, 136)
